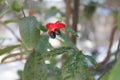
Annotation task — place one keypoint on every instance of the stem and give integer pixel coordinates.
(23, 12)
(68, 11)
(13, 33)
(110, 46)
(17, 59)
(75, 18)
(117, 51)
(31, 12)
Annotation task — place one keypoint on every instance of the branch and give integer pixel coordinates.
(67, 14)
(17, 59)
(32, 11)
(75, 18)
(11, 31)
(67, 21)
(110, 45)
(104, 66)
(23, 11)
(117, 51)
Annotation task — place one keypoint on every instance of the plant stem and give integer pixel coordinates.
(75, 16)
(68, 12)
(23, 12)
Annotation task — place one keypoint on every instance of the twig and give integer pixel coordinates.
(23, 11)
(64, 57)
(106, 68)
(101, 76)
(102, 64)
(32, 11)
(11, 32)
(117, 51)
(13, 60)
(67, 14)
(75, 18)
(110, 46)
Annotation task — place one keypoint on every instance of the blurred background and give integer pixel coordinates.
(94, 21)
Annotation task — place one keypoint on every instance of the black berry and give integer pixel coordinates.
(52, 35)
(57, 31)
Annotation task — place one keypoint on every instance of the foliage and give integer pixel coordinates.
(75, 66)
(8, 49)
(29, 32)
(88, 11)
(52, 12)
(35, 68)
(16, 5)
(34, 44)
(12, 55)
(68, 28)
(115, 72)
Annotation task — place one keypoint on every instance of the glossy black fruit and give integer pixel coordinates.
(52, 35)
(57, 31)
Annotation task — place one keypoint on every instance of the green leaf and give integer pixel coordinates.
(19, 72)
(88, 11)
(115, 73)
(11, 55)
(8, 49)
(35, 68)
(92, 60)
(118, 20)
(16, 5)
(53, 60)
(68, 42)
(57, 51)
(51, 12)
(10, 21)
(68, 28)
(75, 67)
(105, 77)
(29, 33)
(41, 27)
(43, 44)
(54, 72)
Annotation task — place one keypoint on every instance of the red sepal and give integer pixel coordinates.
(52, 26)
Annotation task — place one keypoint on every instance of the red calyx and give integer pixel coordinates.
(55, 27)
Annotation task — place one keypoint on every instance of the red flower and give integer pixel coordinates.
(54, 28)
